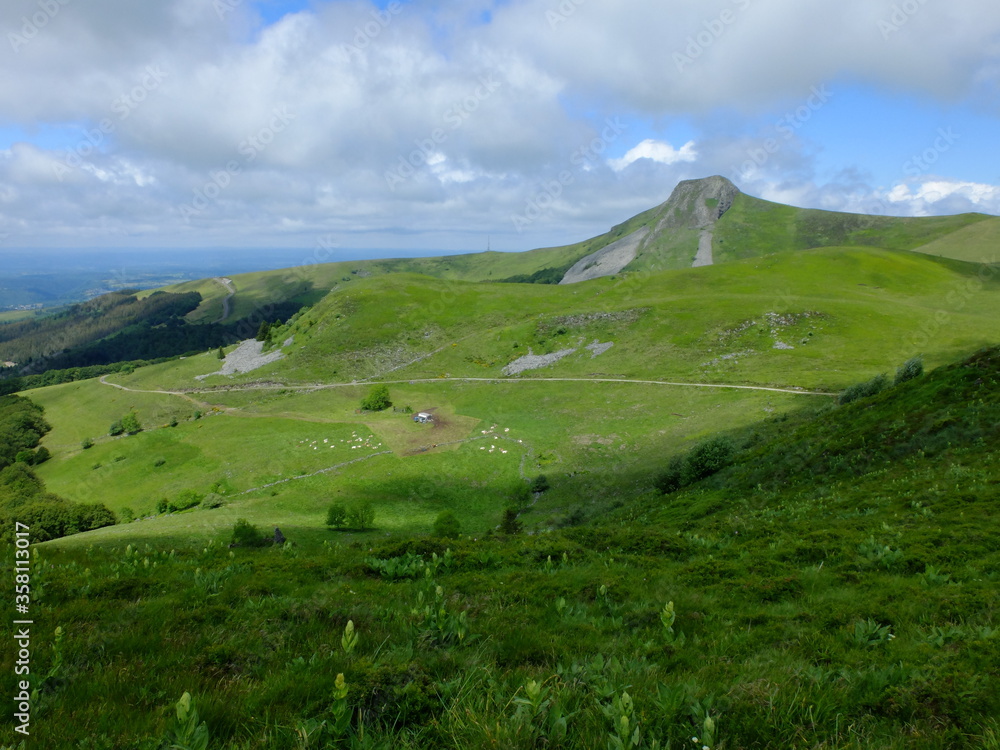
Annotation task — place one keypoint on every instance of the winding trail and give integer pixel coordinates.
(229, 287)
(326, 386)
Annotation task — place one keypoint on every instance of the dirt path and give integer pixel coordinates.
(227, 284)
(325, 386)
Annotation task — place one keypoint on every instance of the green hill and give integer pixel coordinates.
(842, 565)
(668, 525)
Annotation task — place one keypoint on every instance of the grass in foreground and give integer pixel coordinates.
(834, 588)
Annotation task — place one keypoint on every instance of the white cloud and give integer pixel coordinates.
(939, 196)
(657, 151)
(482, 117)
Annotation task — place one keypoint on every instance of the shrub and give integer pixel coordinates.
(446, 525)
(213, 500)
(362, 516)
(540, 483)
(509, 523)
(162, 506)
(186, 499)
(116, 428)
(707, 458)
(87, 444)
(336, 516)
(130, 423)
(245, 534)
(864, 390)
(520, 496)
(126, 515)
(910, 369)
(669, 480)
(377, 399)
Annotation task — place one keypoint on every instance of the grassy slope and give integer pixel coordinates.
(754, 227)
(977, 243)
(869, 310)
(249, 439)
(751, 228)
(589, 435)
(856, 612)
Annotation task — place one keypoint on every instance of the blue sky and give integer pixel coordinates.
(430, 126)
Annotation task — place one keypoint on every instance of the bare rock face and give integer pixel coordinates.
(697, 204)
(608, 260)
(694, 204)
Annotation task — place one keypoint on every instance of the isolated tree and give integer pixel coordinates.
(220, 354)
(362, 517)
(130, 423)
(377, 399)
(336, 516)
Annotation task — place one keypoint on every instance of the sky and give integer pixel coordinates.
(442, 127)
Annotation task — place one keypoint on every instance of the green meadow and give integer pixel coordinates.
(690, 527)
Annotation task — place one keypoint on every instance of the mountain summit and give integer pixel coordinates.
(693, 207)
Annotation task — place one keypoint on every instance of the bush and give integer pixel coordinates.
(540, 483)
(864, 390)
(186, 499)
(706, 459)
(362, 516)
(245, 534)
(446, 525)
(377, 400)
(87, 444)
(910, 369)
(162, 506)
(130, 423)
(669, 480)
(520, 496)
(126, 515)
(509, 523)
(336, 516)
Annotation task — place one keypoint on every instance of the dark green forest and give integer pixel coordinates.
(22, 494)
(113, 329)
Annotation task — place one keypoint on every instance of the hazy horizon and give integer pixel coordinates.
(525, 123)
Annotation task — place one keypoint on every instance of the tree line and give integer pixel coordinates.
(23, 496)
